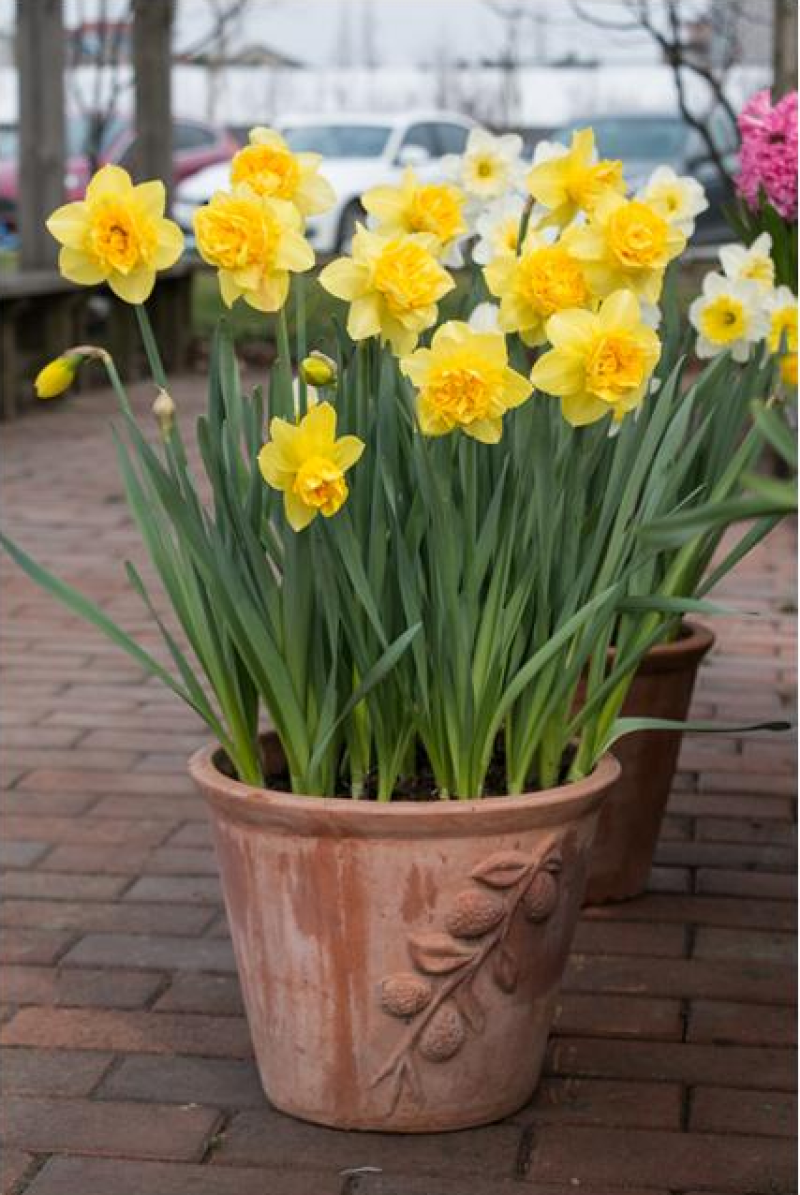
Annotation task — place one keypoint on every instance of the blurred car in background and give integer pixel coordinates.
(359, 151)
(643, 142)
(195, 145)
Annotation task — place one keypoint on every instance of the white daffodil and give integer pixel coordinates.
(498, 227)
(485, 318)
(754, 264)
(677, 198)
(490, 166)
(728, 316)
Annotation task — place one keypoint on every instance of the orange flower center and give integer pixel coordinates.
(320, 483)
(615, 366)
(637, 236)
(235, 233)
(408, 276)
(550, 280)
(436, 209)
(460, 395)
(118, 239)
(268, 169)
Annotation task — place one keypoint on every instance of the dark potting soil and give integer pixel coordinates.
(419, 787)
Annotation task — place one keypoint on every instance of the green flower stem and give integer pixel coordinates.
(151, 346)
(298, 285)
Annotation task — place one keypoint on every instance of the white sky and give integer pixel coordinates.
(403, 32)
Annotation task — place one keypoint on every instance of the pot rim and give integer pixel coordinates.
(683, 653)
(346, 817)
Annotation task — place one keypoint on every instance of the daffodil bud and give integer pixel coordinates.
(318, 370)
(58, 375)
(164, 412)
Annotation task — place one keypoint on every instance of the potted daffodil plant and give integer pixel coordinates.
(411, 584)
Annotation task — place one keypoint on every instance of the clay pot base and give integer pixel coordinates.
(400, 961)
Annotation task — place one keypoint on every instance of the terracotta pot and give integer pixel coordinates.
(630, 820)
(400, 961)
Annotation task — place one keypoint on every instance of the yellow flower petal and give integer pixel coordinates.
(572, 331)
(345, 278)
(135, 287)
(621, 309)
(347, 451)
(558, 373)
(153, 197)
(582, 409)
(294, 253)
(77, 267)
(297, 513)
(69, 224)
(109, 180)
(170, 245)
(229, 288)
(272, 465)
(516, 388)
(364, 318)
(488, 431)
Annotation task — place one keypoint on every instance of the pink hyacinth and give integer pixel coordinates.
(768, 157)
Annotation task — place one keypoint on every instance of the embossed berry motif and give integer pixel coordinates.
(438, 1000)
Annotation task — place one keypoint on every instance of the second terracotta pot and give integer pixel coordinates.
(630, 819)
(400, 962)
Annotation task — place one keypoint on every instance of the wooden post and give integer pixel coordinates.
(784, 47)
(40, 63)
(152, 63)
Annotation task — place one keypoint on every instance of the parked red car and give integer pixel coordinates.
(195, 145)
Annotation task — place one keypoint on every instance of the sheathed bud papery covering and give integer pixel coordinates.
(164, 411)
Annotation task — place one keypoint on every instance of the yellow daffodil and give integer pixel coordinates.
(117, 235)
(626, 244)
(415, 206)
(568, 181)
(271, 169)
(729, 317)
(753, 264)
(544, 279)
(782, 334)
(600, 361)
(57, 376)
(393, 284)
(255, 243)
(464, 382)
(308, 463)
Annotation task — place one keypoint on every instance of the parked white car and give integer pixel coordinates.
(359, 151)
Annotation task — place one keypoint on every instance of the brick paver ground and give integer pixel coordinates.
(128, 1069)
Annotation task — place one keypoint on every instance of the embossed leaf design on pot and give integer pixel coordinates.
(442, 1009)
(437, 954)
(502, 870)
(505, 970)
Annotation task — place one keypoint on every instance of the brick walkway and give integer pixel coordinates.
(128, 1067)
